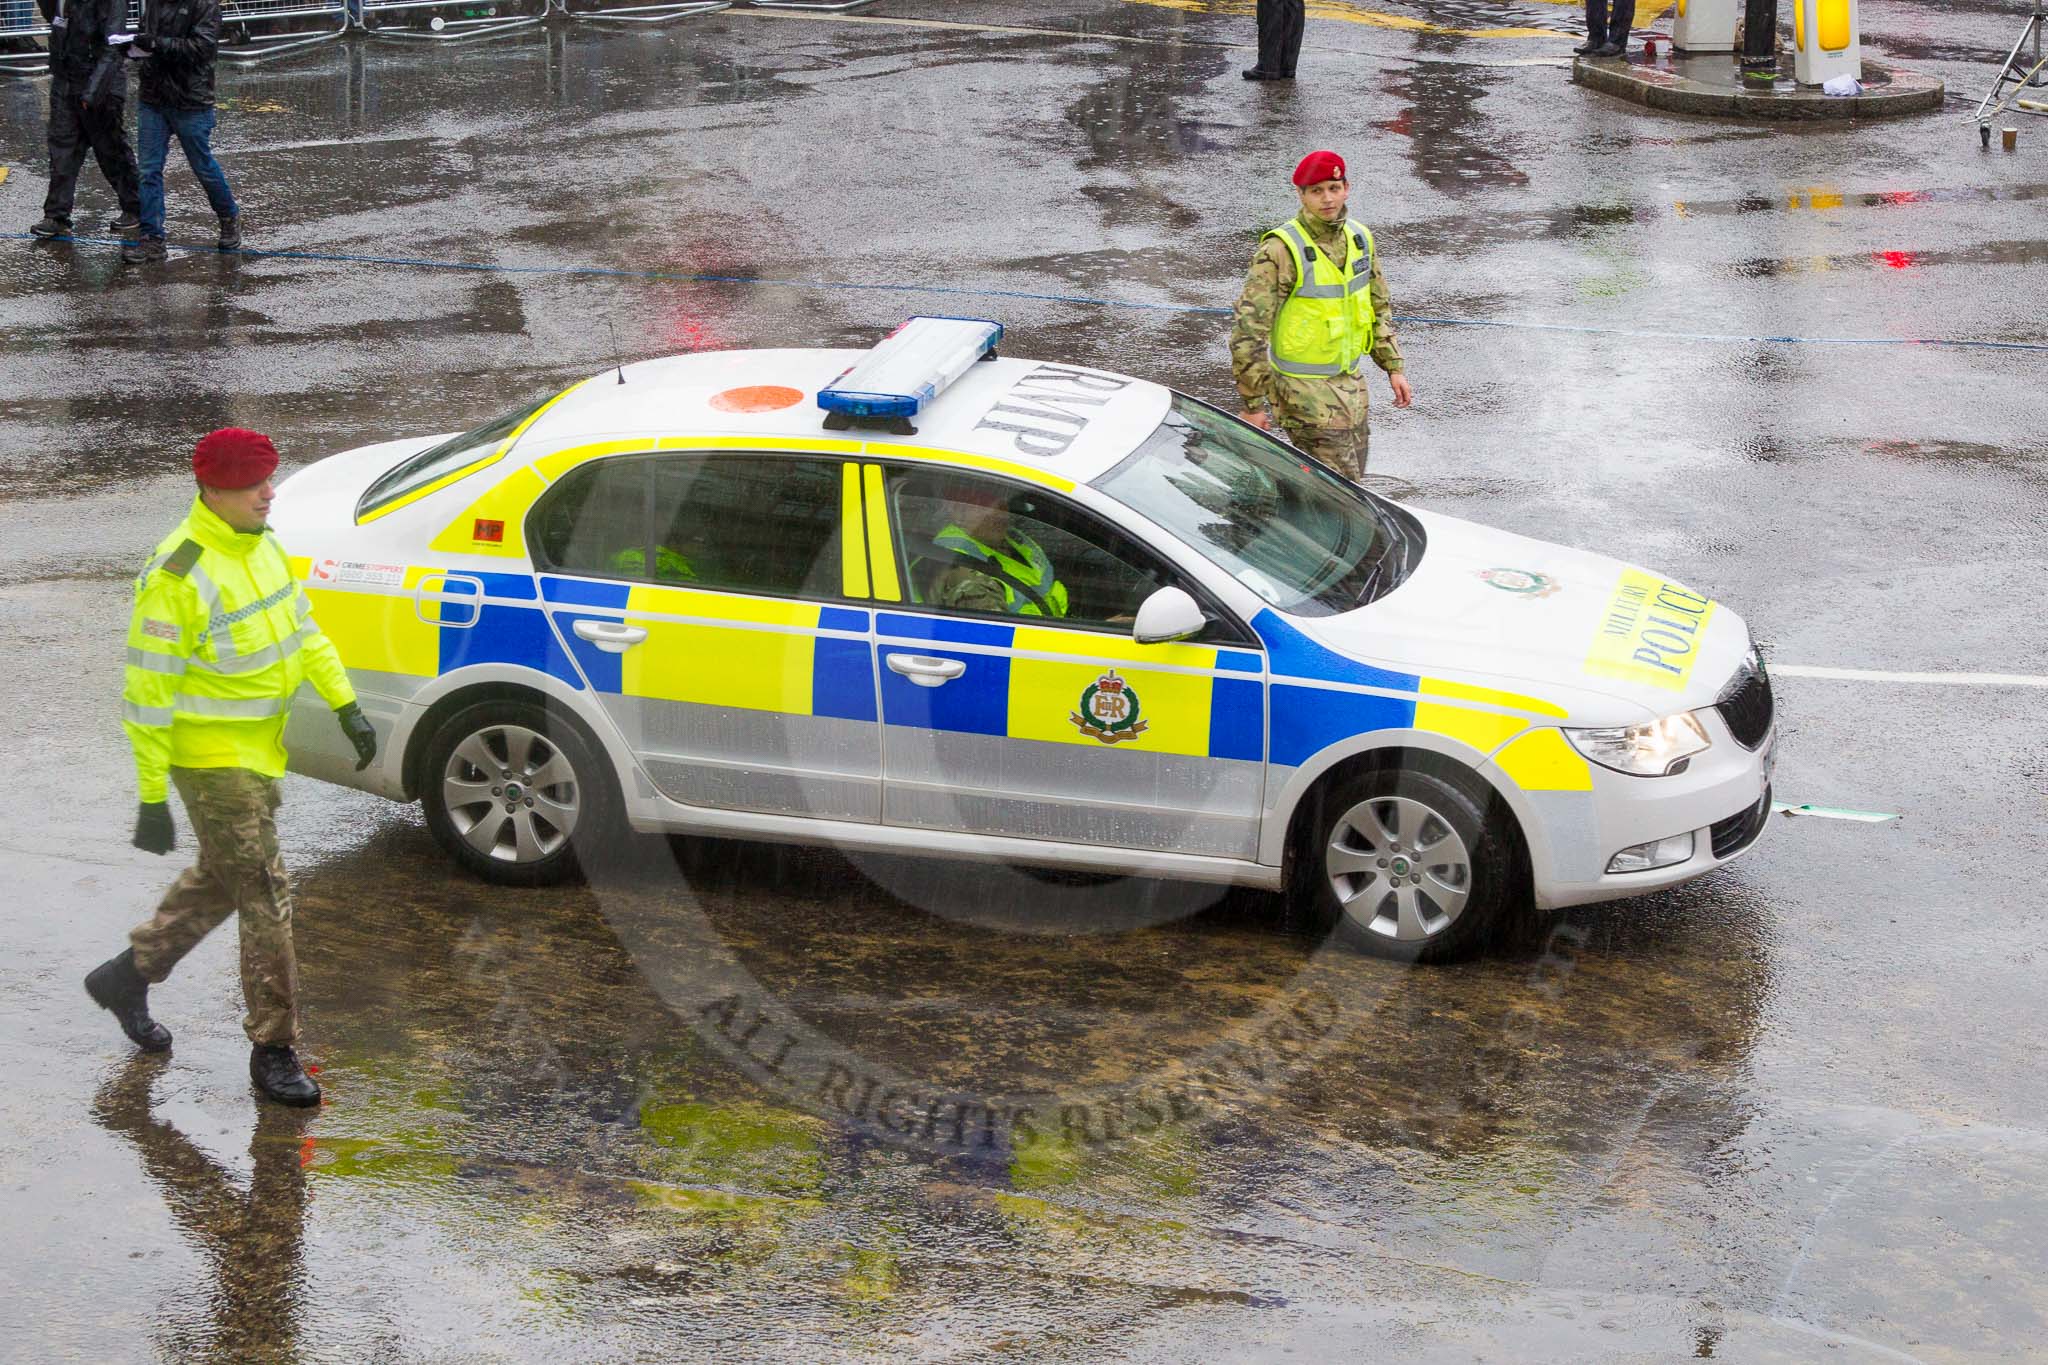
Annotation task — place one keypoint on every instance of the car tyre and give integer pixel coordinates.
(1407, 865)
(514, 790)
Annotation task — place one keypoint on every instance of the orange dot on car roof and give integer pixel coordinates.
(757, 398)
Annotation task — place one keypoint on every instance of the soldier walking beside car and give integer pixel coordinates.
(221, 638)
(1314, 307)
(177, 45)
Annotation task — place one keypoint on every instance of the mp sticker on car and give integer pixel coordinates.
(1651, 632)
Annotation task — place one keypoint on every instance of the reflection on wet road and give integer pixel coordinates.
(811, 1104)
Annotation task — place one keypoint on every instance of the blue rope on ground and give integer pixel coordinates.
(1406, 319)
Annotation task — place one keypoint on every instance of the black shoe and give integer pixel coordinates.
(127, 221)
(1259, 73)
(48, 227)
(1610, 50)
(1587, 48)
(116, 986)
(231, 233)
(276, 1071)
(146, 251)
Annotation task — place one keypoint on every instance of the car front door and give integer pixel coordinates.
(1041, 717)
(709, 602)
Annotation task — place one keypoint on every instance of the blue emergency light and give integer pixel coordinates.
(907, 369)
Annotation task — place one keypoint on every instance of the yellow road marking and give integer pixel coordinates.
(1346, 12)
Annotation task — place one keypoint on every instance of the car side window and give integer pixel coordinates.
(765, 524)
(593, 516)
(985, 546)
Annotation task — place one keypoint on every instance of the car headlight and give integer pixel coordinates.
(1657, 749)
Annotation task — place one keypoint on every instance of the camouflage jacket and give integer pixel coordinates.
(1324, 403)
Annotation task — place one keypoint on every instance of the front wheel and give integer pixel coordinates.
(510, 790)
(1408, 865)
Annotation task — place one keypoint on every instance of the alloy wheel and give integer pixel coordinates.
(1398, 868)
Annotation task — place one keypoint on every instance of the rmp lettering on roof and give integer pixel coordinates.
(1051, 406)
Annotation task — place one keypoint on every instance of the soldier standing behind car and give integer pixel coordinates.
(221, 638)
(1314, 307)
(177, 46)
(88, 98)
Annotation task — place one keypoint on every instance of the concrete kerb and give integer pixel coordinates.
(1712, 84)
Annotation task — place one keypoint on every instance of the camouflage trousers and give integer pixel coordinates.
(233, 816)
(1343, 449)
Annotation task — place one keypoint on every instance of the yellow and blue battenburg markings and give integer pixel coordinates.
(797, 669)
(1190, 707)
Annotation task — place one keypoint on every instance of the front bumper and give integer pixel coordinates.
(1723, 798)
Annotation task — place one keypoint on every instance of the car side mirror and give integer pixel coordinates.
(1168, 614)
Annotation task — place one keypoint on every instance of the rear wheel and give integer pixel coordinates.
(1408, 865)
(511, 789)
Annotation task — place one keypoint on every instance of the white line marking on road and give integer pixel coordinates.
(1887, 676)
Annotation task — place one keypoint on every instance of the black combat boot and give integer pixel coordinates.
(115, 985)
(275, 1069)
(231, 233)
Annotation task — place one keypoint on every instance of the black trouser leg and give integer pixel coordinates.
(107, 129)
(68, 144)
(1280, 28)
(1596, 22)
(1620, 19)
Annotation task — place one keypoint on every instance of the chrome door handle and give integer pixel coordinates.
(612, 637)
(923, 669)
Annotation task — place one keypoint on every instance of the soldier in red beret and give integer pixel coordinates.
(1314, 307)
(221, 638)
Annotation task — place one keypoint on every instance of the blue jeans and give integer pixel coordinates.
(194, 127)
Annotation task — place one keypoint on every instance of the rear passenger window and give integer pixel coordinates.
(595, 520)
(747, 523)
(766, 524)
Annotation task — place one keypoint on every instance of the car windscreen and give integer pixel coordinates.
(438, 462)
(1292, 531)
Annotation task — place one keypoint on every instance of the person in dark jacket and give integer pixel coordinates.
(1280, 28)
(88, 98)
(177, 44)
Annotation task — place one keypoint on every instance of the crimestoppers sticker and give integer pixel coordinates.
(356, 571)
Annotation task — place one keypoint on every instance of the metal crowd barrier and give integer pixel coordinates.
(594, 11)
(449, 21)
(808, 4)
(21, 23)
(252, 30)
(242, 25)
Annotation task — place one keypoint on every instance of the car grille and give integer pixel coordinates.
(1745, 703)
(1738, 832)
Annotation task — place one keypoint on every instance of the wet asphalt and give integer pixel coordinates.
(738, 1100)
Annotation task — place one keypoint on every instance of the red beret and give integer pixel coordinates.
(1317, 167)
(233, 457)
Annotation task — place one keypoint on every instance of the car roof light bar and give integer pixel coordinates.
(906, 370)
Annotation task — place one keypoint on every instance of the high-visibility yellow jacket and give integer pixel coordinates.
(1029, 566)
(221, 638)
(1326, 325)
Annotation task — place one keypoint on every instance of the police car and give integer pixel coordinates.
(930, 600)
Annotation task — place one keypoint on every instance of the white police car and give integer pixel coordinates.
(1015, 611)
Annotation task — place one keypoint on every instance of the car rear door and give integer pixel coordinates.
(1065, 728)
(708, 599)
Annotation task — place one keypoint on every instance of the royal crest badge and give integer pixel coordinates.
(1109, 710)
(1521, 582)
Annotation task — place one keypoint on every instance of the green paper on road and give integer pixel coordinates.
(1868, 817)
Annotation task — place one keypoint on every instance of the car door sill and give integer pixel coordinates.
(672, 817)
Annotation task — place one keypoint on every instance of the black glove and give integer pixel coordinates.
(154, 832)
(360, 733)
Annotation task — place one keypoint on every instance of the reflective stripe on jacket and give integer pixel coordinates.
(1326, 325)
(221, 638)
(1034, 570)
